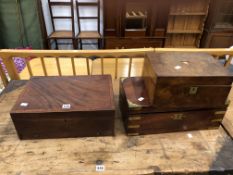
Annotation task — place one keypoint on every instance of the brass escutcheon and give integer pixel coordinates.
(193, 90)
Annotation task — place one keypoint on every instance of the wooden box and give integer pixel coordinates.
(139, 116)
(186, 81)
(58, 107)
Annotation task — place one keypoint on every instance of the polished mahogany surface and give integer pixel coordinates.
(60, 107)
(83, 93)
(140, 116)
(173, 64)
(186, 81)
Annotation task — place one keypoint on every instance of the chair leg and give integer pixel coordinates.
(74, 44)
(98, 44)
(80, 43)
(56, 44)
(49, 44)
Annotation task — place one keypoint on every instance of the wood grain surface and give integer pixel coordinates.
(190, 65)
(90, 111)
(197, 152)
(175, 75)
(142, 117)
(83, 93)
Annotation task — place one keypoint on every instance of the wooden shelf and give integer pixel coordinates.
(184, 31)
(187, 14)
(186, 22)
(136, 30)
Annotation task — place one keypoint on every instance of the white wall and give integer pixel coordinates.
(65, 24)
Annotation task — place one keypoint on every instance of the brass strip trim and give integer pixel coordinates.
(179, 116)
(133, 126)
(214, 127)
(133, 134)
(217, 120)
(219, 112)
(135, 118)
(227, 102)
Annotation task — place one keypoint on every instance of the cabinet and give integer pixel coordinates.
(219, 26)
(154, 23)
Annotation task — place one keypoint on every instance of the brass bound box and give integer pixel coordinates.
(178, 92)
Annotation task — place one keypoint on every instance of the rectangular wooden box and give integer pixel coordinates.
(141, 117)
(58, 107)
(186, 81)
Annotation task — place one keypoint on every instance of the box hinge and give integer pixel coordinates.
(216, 120)
(219, 112)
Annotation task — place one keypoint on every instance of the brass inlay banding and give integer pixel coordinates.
(135, 118)
(219, 112)
(216, 127)
(216, 120)
(178, 116)
(133, 126)
(227, 102)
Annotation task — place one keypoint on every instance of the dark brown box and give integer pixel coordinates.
(58, 107)
(186, 81)
(139, 116)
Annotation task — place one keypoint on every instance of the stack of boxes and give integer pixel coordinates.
(177, 92)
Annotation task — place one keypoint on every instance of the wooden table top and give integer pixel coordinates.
(183, 153)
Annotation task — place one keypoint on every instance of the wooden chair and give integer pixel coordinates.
(62, 34)
(88, 34)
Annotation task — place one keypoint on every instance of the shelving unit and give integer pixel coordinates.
(186, 22)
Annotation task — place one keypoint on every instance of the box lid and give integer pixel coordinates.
(65, 94)
(136, 94)
(177, 64)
